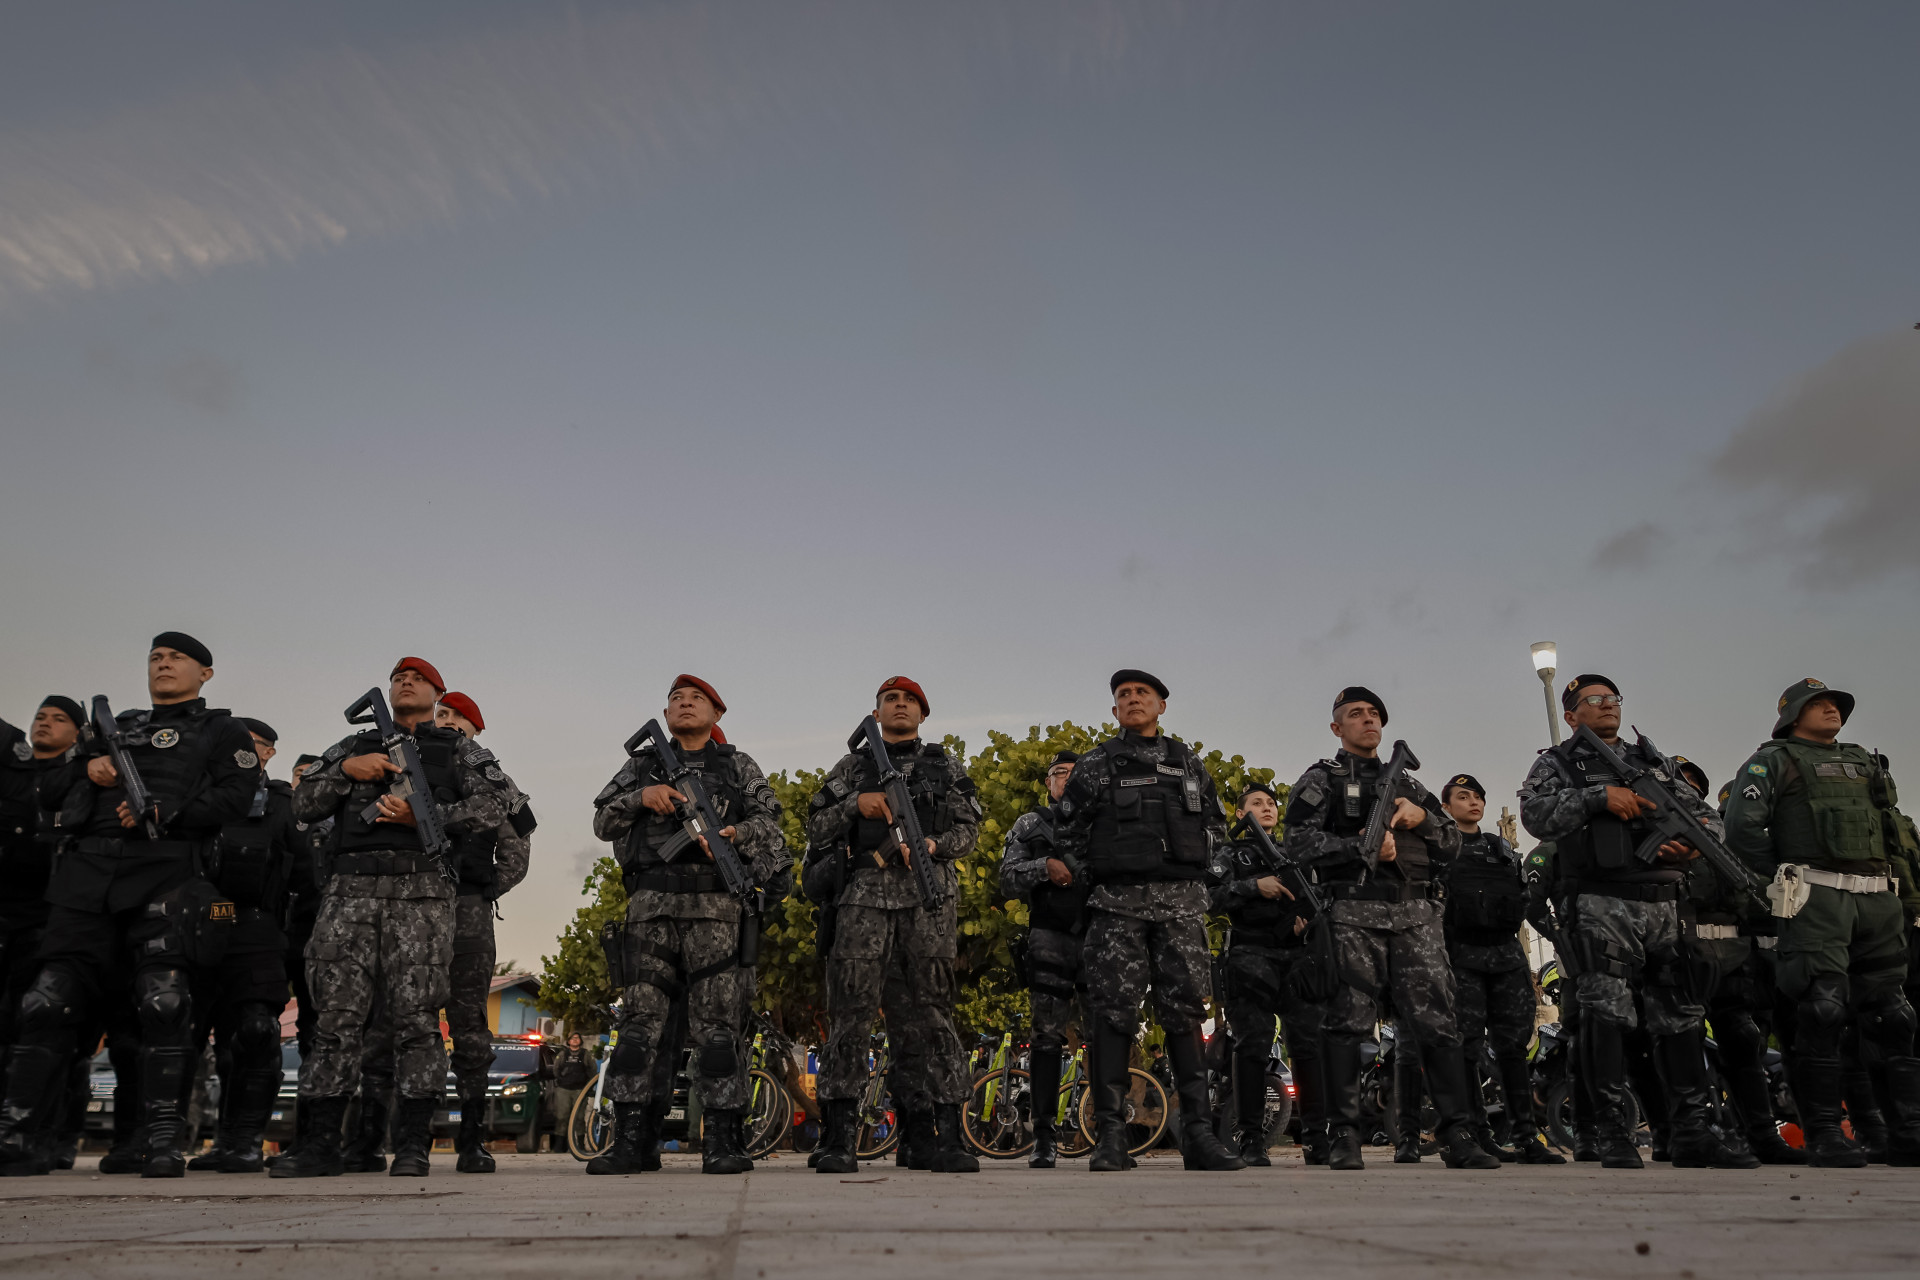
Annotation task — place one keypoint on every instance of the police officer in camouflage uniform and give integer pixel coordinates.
(889, 951)
(1815, 813)
(490, 864)
(1056, 927)
(684, 931)
(1627, 928)
(1141, 817)
(127, 891)
(1485, 906)
(246, 991)
(1264, 950)
(385, 928)
(303, 907)
(1386, 927)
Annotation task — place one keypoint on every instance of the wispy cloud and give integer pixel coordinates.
(362, 144)
(1838, 456)
(1631, 548)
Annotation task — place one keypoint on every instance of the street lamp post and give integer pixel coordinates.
(1545, 655)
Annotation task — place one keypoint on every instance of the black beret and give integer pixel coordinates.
(185, 644)
(260, 729)
(62, 703)
(307, 758)
(1360, 693)
(1064, 757)
(1131, 675)
(1466, 782)
(1570, 695)
(1265, 788)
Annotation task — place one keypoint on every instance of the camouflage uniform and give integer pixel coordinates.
(1389, 946)
(387, 936)
(889, 951)
(1495, 1002)
(1056, 980)
(683, 927)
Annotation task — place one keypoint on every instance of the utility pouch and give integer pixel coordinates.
(613, 944)
(193, 922)
(1789, 891)
(1316, 975)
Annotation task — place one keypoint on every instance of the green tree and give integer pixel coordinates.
(790, 979)
(573, 983)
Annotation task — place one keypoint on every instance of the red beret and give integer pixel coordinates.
(424, 667)
(901, 682)
(465, 706)
(684, 681)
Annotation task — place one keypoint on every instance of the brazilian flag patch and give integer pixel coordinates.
(1757, 770)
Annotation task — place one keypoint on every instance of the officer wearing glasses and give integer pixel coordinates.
(1626, 927)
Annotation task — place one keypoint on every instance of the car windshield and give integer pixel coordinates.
(515, 1059)
(289, 1055)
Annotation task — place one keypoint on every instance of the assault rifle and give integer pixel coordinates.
(1298, 883)
(410, 784)
(139, 799)
(1670, 820)
(904, 831)
(697, 816)
(1399, 764)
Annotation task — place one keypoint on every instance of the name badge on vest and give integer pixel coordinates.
(1138, 782)
(1169, 769)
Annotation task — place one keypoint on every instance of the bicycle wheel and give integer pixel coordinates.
(1004, 1130)
(769, 1112)
(1145, 1111)
(878, 1131)
(1072, 1137)
(590, 1128)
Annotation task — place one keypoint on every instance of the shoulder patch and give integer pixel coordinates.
(1310, 794)
(839, 788)
(1757, 770)
(245, 759)
(477, 756)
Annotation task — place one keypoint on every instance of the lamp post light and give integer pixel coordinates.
(1545, 655)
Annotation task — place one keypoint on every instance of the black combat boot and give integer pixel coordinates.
(1863, 1090)
(1516, 1087)
(164, 1072)
(1200, 1146)
(128, 1154)
(251, 1107)
(1753, 1097)
(1478, 1121)
(1816, 1090)
(1343, 1103)
(919, 1138)
(1107, 1078)
(1250, 1108)
(950, 1154)
(413, 1137)
(631, 1135)
(24, 1147)
(656, 1118)
(1603, 1067)
(1313, 1144)
(318, 1155)
(1406, 1146)
(1694, 1144)
(1903, 1112)
(1407, 1089)
(472, 1140)
(1044, 1101)
(363, 1154)
(720, 1148)
(209, 1160)
(1448, 1081)
(837, 1153)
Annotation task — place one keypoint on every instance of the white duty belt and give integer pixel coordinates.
(1716, 932)
(1846, 883)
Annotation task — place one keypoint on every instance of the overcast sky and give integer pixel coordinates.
(1270, 347)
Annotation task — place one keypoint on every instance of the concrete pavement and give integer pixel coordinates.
(541, 1215)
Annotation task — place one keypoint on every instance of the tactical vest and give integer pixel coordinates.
(929, 780)
(1152, 823)
(1258, 920)
(19, 809)
(1602, 850)
(355, 834)
(245, 866)
(1486, 898)
(658, 838)
(1353, 789)
(1051, 906)
(171, 747)
(1827, 803)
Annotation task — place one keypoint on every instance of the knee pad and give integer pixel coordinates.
(1890, 1025)
(1823, 1010)
(629, 1056)
(717, 1057)
(52, 1003)
(258, 1029)
(164, 1003)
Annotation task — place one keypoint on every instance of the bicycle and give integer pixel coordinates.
(1070, 1138)
(769, 1110)
(590, 1125)
(997, 1121)
(877, 1128)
